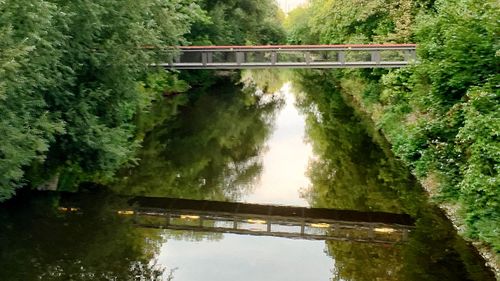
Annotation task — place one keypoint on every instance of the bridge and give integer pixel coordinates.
(262, 220)
(292, 56)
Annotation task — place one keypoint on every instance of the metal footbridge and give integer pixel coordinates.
(291, 56)
(263, 220)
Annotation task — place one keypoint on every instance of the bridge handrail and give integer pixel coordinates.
(343, 47)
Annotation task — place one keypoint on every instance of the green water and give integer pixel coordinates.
(301, 146)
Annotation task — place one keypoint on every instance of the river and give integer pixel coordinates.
(299, 146)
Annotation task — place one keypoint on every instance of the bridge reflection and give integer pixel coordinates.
(265, 220)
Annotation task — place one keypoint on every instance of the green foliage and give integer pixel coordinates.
(29, 53)
(238, 22)
(297, 27)
(457, 47)
(348, 21)
(479, 140)
(69, 75)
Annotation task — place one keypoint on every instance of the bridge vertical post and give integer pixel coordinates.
(375, 57)
(269, 225)
(210, 57)
(274, 58)
(307, 56)
(204, 58)
(341, 57)
(240, 57)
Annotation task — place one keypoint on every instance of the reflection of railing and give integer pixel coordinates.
(256, 219)
(293, 56)
(268, 220)
(355, 232)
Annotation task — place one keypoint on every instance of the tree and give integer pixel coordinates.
(70, 77)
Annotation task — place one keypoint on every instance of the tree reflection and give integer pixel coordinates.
(352, 170)
(211, 151)
(75, 245)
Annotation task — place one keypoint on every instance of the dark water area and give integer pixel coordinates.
(301, 146)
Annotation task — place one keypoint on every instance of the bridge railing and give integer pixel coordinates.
(293, 56)
(286, 227)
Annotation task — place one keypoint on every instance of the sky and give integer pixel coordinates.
(288, 5)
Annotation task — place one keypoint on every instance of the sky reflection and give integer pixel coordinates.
(240, 257)
(244, 257)
(285, 162)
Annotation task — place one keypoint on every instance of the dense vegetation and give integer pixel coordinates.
(75, 86)
(442, 116)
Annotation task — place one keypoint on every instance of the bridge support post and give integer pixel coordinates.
(240, 57)
(341, 57)
(307, 56)
(204, 58)
(375, 57)
(274, 58)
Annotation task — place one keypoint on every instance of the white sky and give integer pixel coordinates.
(288, 5)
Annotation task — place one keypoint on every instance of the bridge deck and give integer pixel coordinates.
(292, 56)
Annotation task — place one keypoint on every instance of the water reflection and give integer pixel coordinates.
(216, 149)
(286, 159)
(38, 242)
(211, 151)
(352, 171)
(247, 258)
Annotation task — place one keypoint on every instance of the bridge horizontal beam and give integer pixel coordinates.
(248, 210)
(345, 47)
(316, 65)
(292, 56)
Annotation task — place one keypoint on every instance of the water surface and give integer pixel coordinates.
(302, 146)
